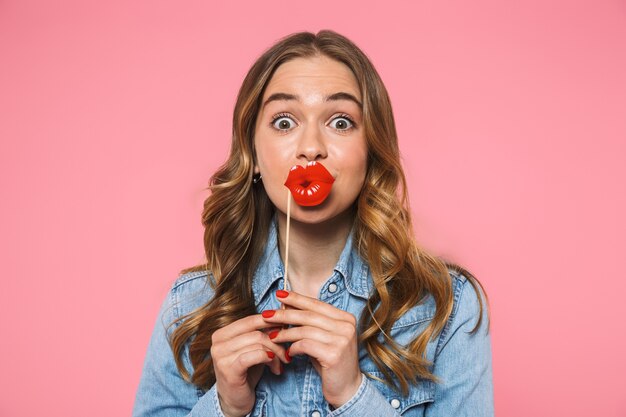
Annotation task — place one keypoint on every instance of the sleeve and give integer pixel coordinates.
(463, 362)
(366, 402)
(162, 392)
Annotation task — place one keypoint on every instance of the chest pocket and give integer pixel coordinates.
(404, 330)
(420, 394)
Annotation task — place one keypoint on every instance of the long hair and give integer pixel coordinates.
(237, 215)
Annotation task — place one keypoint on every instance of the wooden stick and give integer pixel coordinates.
(286, 286)
(287, 241)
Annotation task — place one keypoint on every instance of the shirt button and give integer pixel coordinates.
(395, 403)
(332, 287)
(316, 414)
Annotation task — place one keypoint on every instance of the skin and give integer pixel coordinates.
(311, 129)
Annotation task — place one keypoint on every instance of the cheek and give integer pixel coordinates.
(359, 177)
(269, 157)
(362, 170)
(271, 164)
(353, 172)
(264, 160)
(355, 160)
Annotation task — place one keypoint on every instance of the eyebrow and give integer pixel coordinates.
(333, 97)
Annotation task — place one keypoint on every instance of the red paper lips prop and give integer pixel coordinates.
(309, 185)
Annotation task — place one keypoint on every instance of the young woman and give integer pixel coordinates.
(370, 324)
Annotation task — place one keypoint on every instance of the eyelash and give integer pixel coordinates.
(340, 116)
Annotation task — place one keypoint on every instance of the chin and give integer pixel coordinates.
(319, 214)
(330, 209)
(308, 216)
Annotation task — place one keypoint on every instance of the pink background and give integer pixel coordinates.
(113, 115)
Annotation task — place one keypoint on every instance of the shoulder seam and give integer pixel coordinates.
(453, 273)
(458, 291)
(176, 287)
(189, 276)
(458, 285)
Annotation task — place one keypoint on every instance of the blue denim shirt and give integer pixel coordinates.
(461, 360)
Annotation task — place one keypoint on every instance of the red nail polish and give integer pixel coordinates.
(270, 354)
(273, 334)
(282, 293)
(268, 313)
(287, 355)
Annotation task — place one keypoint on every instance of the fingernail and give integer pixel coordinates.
(287, 355)
(268, 313)
(282, 293)
(270, 354)
(282, 368)
(274, 334)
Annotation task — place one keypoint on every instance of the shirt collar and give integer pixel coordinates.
(350, 266)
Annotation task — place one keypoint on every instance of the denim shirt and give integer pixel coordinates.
(461, 360)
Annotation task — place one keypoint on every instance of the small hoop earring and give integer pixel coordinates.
(256, 178)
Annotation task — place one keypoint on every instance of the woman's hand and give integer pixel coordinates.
(327, 335)
(239, 352)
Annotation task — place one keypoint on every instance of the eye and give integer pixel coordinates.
(282, 122)
(343, 123)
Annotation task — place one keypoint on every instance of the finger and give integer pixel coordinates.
(244, 325)
(324, 353)
(302, 302)
(293, 334)
(308, 318)
(239, 362)
(247, 342)
(241, 341)
(271, 329)
(276, 366)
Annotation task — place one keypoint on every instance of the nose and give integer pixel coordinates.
(311, 145)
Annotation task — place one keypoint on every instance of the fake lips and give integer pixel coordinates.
(309, 185)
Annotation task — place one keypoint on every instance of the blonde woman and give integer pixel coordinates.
(370, 324)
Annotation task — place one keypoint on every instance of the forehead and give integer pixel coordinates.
(313, 77)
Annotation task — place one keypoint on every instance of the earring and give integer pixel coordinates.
(256, 178)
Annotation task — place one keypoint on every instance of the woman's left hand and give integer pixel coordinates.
(327, 335)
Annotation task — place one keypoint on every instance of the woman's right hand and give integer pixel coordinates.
(240, 352)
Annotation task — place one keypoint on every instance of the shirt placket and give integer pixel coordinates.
(315, 405)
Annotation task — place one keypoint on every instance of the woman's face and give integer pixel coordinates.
(309, 113)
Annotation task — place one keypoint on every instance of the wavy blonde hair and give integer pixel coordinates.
(237, 215)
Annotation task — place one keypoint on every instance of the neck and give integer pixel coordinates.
(314, 250)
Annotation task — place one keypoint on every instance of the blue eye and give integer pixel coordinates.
(284, 122)
(344, 122)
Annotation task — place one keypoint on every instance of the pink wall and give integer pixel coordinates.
(113, 114)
